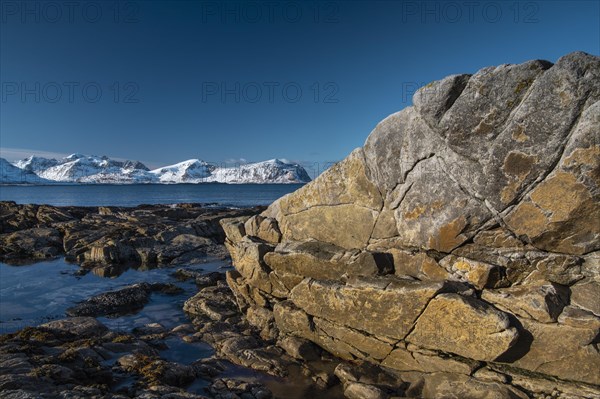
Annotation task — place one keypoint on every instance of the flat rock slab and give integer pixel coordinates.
(562, 351)
(324, 261)
(465, 326)
(363, 307)
(81, 327)
(543, 302)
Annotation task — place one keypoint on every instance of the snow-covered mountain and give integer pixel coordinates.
(190, 171)
(272, 171)
(78, 168)
(36, 164)
(10, 174)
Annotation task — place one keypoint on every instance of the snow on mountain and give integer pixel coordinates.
(36, 164)
(190, 171)
(130, 165)
(10, 174)
(78, 168)
(271, 171)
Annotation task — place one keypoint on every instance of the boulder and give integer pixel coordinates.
(147, 235)
(463, 236)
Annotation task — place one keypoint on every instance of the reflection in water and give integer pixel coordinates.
(109, 271)
(183, 352)
(33, 294)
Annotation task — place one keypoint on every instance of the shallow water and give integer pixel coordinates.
(36, 293)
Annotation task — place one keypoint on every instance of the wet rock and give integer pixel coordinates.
(183, 329)
(205, 280)
(231, 388)
(186, 274)
(152, 329)
(34, 244)
(63, 355)
(157, 371)
(124, 300)
(165, 391)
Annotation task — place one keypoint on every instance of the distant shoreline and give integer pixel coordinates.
(147, 184)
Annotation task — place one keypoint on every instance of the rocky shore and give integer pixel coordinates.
(80, 357)
(455, 255)
(112, 238)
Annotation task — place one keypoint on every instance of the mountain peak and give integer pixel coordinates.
(75, 156)
(79, 168)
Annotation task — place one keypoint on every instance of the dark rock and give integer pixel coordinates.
(148, 235)
(121, 301)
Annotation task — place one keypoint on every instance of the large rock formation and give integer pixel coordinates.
(459, 247)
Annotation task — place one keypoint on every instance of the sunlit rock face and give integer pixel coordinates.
(458, 247)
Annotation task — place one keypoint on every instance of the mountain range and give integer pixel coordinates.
(85, 169)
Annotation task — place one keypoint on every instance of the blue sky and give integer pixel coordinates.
(163, 82)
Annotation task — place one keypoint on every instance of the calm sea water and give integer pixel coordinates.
(132, 195)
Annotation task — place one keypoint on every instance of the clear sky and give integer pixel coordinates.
(162, 82)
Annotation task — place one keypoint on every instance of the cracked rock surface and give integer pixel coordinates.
(458, 250)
